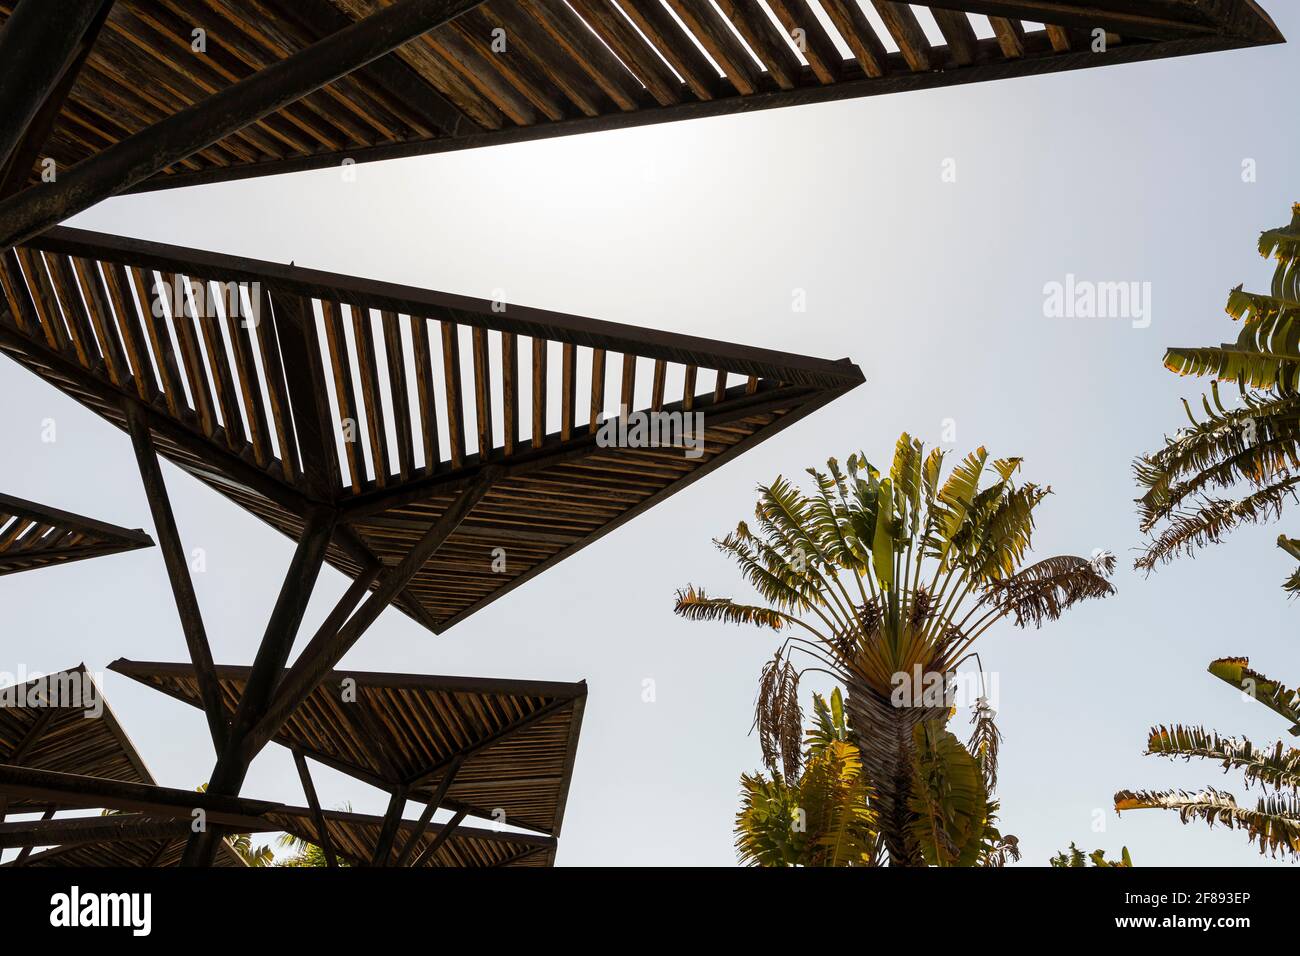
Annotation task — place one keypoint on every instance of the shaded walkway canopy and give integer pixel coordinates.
(150, 93)
(36, 536)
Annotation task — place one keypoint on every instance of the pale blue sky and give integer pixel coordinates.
(935, 289)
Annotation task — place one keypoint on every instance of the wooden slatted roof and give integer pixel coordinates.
(355, 836)
(36, 536)
(61, 722)
(121, 853)
(509, 70)
(288, 390)
(515, 740)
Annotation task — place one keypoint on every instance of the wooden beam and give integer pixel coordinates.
(15, 171)
(272, 653)
(178, 573)
(388, 831)
(78, 791)
(38, 50)
(27, 850)
(325, 650)
(429, 809)
(436, 843)
(114, 828)
(226, 112)
(318, 818)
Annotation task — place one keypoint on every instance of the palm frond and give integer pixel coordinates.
(695, 605)
(1045, 590)
(1273, 823)
(1272, 694)
(1211, 520)
(1273, 766)
(778, 717)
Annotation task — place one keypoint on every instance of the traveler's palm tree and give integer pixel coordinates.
(1274, 821)
(824, 814)
(881, 579)
(1237, 465)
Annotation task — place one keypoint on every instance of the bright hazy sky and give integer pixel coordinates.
(934, 288)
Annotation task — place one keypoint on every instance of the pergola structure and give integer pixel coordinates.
(60, 724)
(437, 449)
(498, 749)
(485, 744)
(140, 94)
(37, 536)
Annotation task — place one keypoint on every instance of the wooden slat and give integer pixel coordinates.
(858, 33)
(146, 291)
(368, 371)
(239, 328)
(1011, 36)
(907, 33)
(606, 20)
(276, 386)
(191, 355)
(451, 382)
(425, 392)
(756, 28)
(570, 34)
(483, 394)
(219, 364)
(510, 391)
(133, 335)
(95, 295)
(344, 393)
(597, 386)
(539, 392)
(817, 47)
(396, 358)
(720, 43)
(963, 44)
(653, 20)
(657, 389)
(568, 390)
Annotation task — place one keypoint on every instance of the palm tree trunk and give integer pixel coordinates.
(883, 735)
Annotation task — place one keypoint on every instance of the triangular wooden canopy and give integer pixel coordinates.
(439, 450)
(156, 93)
(507, 746)
(38, 536)
(61, 722)
(433, 390)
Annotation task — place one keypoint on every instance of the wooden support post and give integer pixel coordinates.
(388, 832)
(27, 850)
(429, 808)
(226, 112)
(272, 653)
(37, 49)
(178, 571)
(318, 818)
(325, 650)
(436, 843)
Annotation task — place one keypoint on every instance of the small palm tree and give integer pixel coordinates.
(1252, 450)
(885, 581)
(1274, 821)
(1074, 857)
(822, 814)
